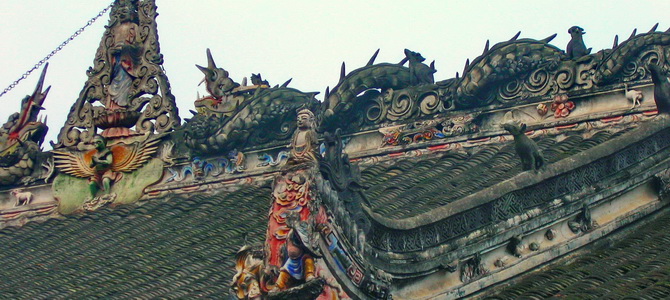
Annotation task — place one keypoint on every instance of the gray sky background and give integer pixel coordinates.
(303, 40)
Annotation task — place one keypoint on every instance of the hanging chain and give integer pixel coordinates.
(60, 47)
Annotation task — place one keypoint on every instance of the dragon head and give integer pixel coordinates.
(217, 81)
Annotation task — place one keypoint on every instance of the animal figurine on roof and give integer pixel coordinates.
(576, 47)
(661, 88)
(257, 79)
(419, 72)
(531, 159)
(634, 96)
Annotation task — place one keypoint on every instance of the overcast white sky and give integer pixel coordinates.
(303, 40)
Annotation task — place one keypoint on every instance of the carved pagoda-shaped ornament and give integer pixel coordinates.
(127, 93)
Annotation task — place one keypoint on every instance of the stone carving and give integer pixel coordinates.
(515, 246)
(583, 221)
(217, 80)
(509, 67)
(21, 197)
(634, 96)
(257, 79)
(429, 130)
(473, 269)
(335, 165)
(21, 138)
(105, 164)
(534, 246)
(305, 142)
(561, 106)
(550, 234)
(201, 169)
(627, 61)
(663, 178)
(166, 154)
(661, 88)
(267, 160)
(342, 99)
(235, 116)
(526, 149)
(576, 47)
(419, 73)
(127, 93)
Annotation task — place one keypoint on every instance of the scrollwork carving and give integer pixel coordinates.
(127, 92)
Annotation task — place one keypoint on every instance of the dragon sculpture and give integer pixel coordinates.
(233, 115)
(21, 138)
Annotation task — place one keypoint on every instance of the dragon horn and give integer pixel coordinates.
(327, 92)
(467, 64)
(457, 75)
(516, 36)
(653, 28)
(372, 59)
(210, 60)
(39, 96)
(403, 61)
(486, 47)
(343, 72)
(549, 38)
(633, 34)
(285, 84)
(616, 41)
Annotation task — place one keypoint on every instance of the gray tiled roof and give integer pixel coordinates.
(636, 267)
(176, 248)
(410, 187)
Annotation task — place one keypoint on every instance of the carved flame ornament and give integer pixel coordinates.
(127, 93)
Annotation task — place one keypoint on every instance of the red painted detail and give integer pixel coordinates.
(190, 188)
(650, 112)
(396, 154)
(612, 119)
(566, 126)
(438, 147)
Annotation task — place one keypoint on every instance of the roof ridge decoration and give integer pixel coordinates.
(517, 71)
(21, 138)
(304, 246)
(233, 115)
(127, 92)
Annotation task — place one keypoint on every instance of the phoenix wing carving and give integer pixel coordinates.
(126, 158)
(76, 164)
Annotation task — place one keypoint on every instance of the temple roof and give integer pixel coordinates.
(181, 247)
(409, 187)
(635, 266)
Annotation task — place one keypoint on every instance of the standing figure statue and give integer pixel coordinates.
(304, 144)
(124, 56)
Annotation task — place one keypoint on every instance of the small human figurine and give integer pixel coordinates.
(124, 55)
(101, 162)
(304, 144)
(299, 266)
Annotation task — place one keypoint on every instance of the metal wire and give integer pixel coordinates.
(59, 48)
